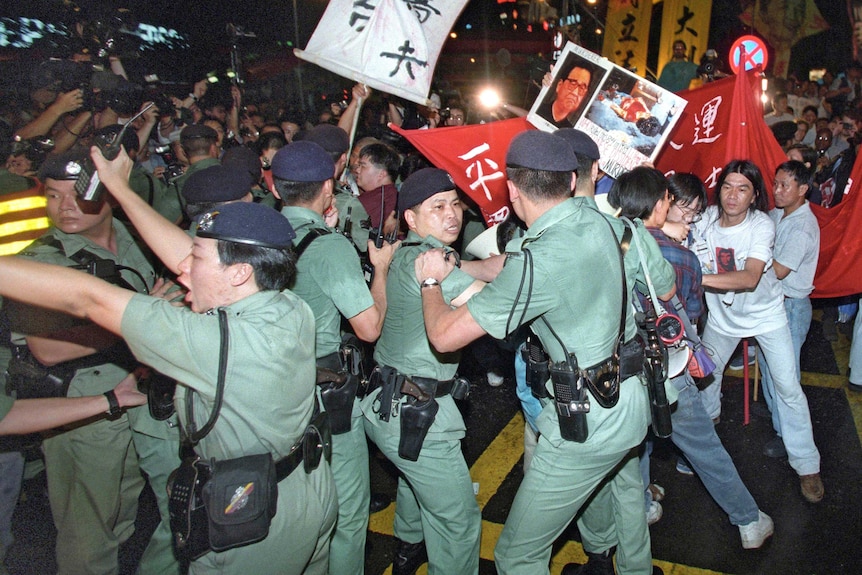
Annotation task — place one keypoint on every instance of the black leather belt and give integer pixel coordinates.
(316, 442)
(434, 387)
(331, 361)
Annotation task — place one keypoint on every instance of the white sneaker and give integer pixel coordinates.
(755, 533)
(495, 380)
(654, 512)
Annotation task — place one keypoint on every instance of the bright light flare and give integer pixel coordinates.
(489, 98)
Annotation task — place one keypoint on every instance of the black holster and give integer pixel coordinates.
(417, 417)
(337, 391)
(537, 367)
(160, 394)
(390, 382)
(655, 372)
(570, 399)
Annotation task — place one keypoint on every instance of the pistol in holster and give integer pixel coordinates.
(537, 367)
(337, 391)
(655, 372)
(570, 399)
(417, 417)
(160, 390)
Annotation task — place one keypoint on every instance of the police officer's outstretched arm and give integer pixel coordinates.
(82, 295)
(170, 243)
(448, 329)
(33, 415)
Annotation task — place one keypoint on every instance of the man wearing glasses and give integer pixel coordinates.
(571, 92)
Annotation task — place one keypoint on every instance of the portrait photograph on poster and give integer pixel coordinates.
(576, 78)
(627, 116)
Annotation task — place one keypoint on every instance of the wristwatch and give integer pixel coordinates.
(114, 408)
(428, 282)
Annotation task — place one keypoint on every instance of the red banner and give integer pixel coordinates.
(839, 270)
(723, 121)
(475, 157)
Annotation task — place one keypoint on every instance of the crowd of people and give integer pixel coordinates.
(281, 289)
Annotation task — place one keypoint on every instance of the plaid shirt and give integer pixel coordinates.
(688, 274)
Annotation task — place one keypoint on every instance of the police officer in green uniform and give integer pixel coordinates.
(93, 470)
(330, 280)
(566, 277)
(435, 499)
(199, 143)
(212, 187)
(351, 213)
(239, 262)
(611, 518)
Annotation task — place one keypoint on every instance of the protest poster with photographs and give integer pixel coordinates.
(628, 117)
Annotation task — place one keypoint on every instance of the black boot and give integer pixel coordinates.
(409, 557)
(597, 564)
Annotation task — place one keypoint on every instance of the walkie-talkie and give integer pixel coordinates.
(88, 185)
(376, 235)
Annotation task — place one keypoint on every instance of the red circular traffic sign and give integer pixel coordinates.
(755, 54)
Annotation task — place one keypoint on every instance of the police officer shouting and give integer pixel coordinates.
(330, 280)
(239, 262)
(412, 417)
(566, 276)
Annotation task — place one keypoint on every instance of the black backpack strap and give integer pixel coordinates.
(312, 235)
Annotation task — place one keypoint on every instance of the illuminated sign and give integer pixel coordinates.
(23, 32)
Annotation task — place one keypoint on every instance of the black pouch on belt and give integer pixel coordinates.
(337, 391)
(570, 399)
(241, 499)
(417, 416)
(160, 394)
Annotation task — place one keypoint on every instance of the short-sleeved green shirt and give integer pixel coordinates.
(31, 320)
(403, 343)
(348, 204)
(329, 278)
(271, 373)
(565, 270)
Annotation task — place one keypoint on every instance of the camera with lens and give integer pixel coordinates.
(172, 172)
(34, 149)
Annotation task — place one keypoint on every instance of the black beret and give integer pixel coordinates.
(65, 166)
(303, 162)
(421, 185)
(216, 184)
(331, 138)
(243, 158)
(198, 131)
(580, 142)
(783, 131)
(247, 223)
(537, 150)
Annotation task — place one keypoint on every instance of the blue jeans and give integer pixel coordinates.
(791, 404)
(799, 319)
(694, 434)
(856, 352)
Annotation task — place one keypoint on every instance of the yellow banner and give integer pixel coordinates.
(686, 20)
(627, 34)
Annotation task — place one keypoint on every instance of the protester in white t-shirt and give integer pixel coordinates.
(745, 299)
